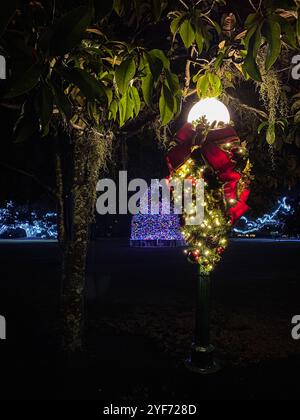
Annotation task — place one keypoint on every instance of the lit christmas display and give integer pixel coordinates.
(268, 220)
(216, 155)
(14, 223)
(157, 228)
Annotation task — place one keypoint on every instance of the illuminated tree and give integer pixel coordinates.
(159, 228)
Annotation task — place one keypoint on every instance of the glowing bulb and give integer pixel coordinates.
(212, 109)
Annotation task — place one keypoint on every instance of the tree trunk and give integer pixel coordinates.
(73, 281)
(77, 174)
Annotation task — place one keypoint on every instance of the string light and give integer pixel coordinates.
(12, 219)
(253, 226)
(155, 227)
(207, 242)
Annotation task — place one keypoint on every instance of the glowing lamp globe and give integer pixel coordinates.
(212, 109)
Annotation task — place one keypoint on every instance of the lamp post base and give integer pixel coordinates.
(202, 360)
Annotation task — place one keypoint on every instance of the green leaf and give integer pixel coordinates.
(282, 125)
(219, 60)
(166, 105)
(209, 86)
(109, 94)
(202, 86)
(24, 82)
(252, 20)
(113, 109)
(295, 106)
(288, 31)
(135, 97)
(257, 41)
(124, 74)
(250, 33)
(62, 102)
(147, 88)
(67, 33)
(88, 85)
(172, 82)
(272, 32)
(118, 6)
(216, 26)
(46, 107)
(175, 24)
(157, 8)
(262, 126)
(155, 65)
(207, 36)
(93, 111)
(178, 106)
(199, 40)
(8, 9)
(215, 85)
(251, 67)
(126, 108)
(187, 33)
(290, 34)
(160, 55)
(253, 44)
(250, 64)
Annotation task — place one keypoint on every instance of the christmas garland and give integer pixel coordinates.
(219, 158)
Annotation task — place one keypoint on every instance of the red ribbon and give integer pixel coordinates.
(220, 160)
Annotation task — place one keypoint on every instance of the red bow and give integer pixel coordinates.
(220, 160)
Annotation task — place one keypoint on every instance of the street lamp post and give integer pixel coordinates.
(206, 145)
(202, 359)
(222, 153)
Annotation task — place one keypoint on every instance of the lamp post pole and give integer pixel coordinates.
(202, 359)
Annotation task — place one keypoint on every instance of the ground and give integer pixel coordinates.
(140, 323)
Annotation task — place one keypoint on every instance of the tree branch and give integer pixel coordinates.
(211, 9)
(185, 5)
(260, 114)
(188, 73)
(191, 93)
(253, 6)
(10, 106)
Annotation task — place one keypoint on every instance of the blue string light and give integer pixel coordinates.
(11, 220)
(252, 226)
